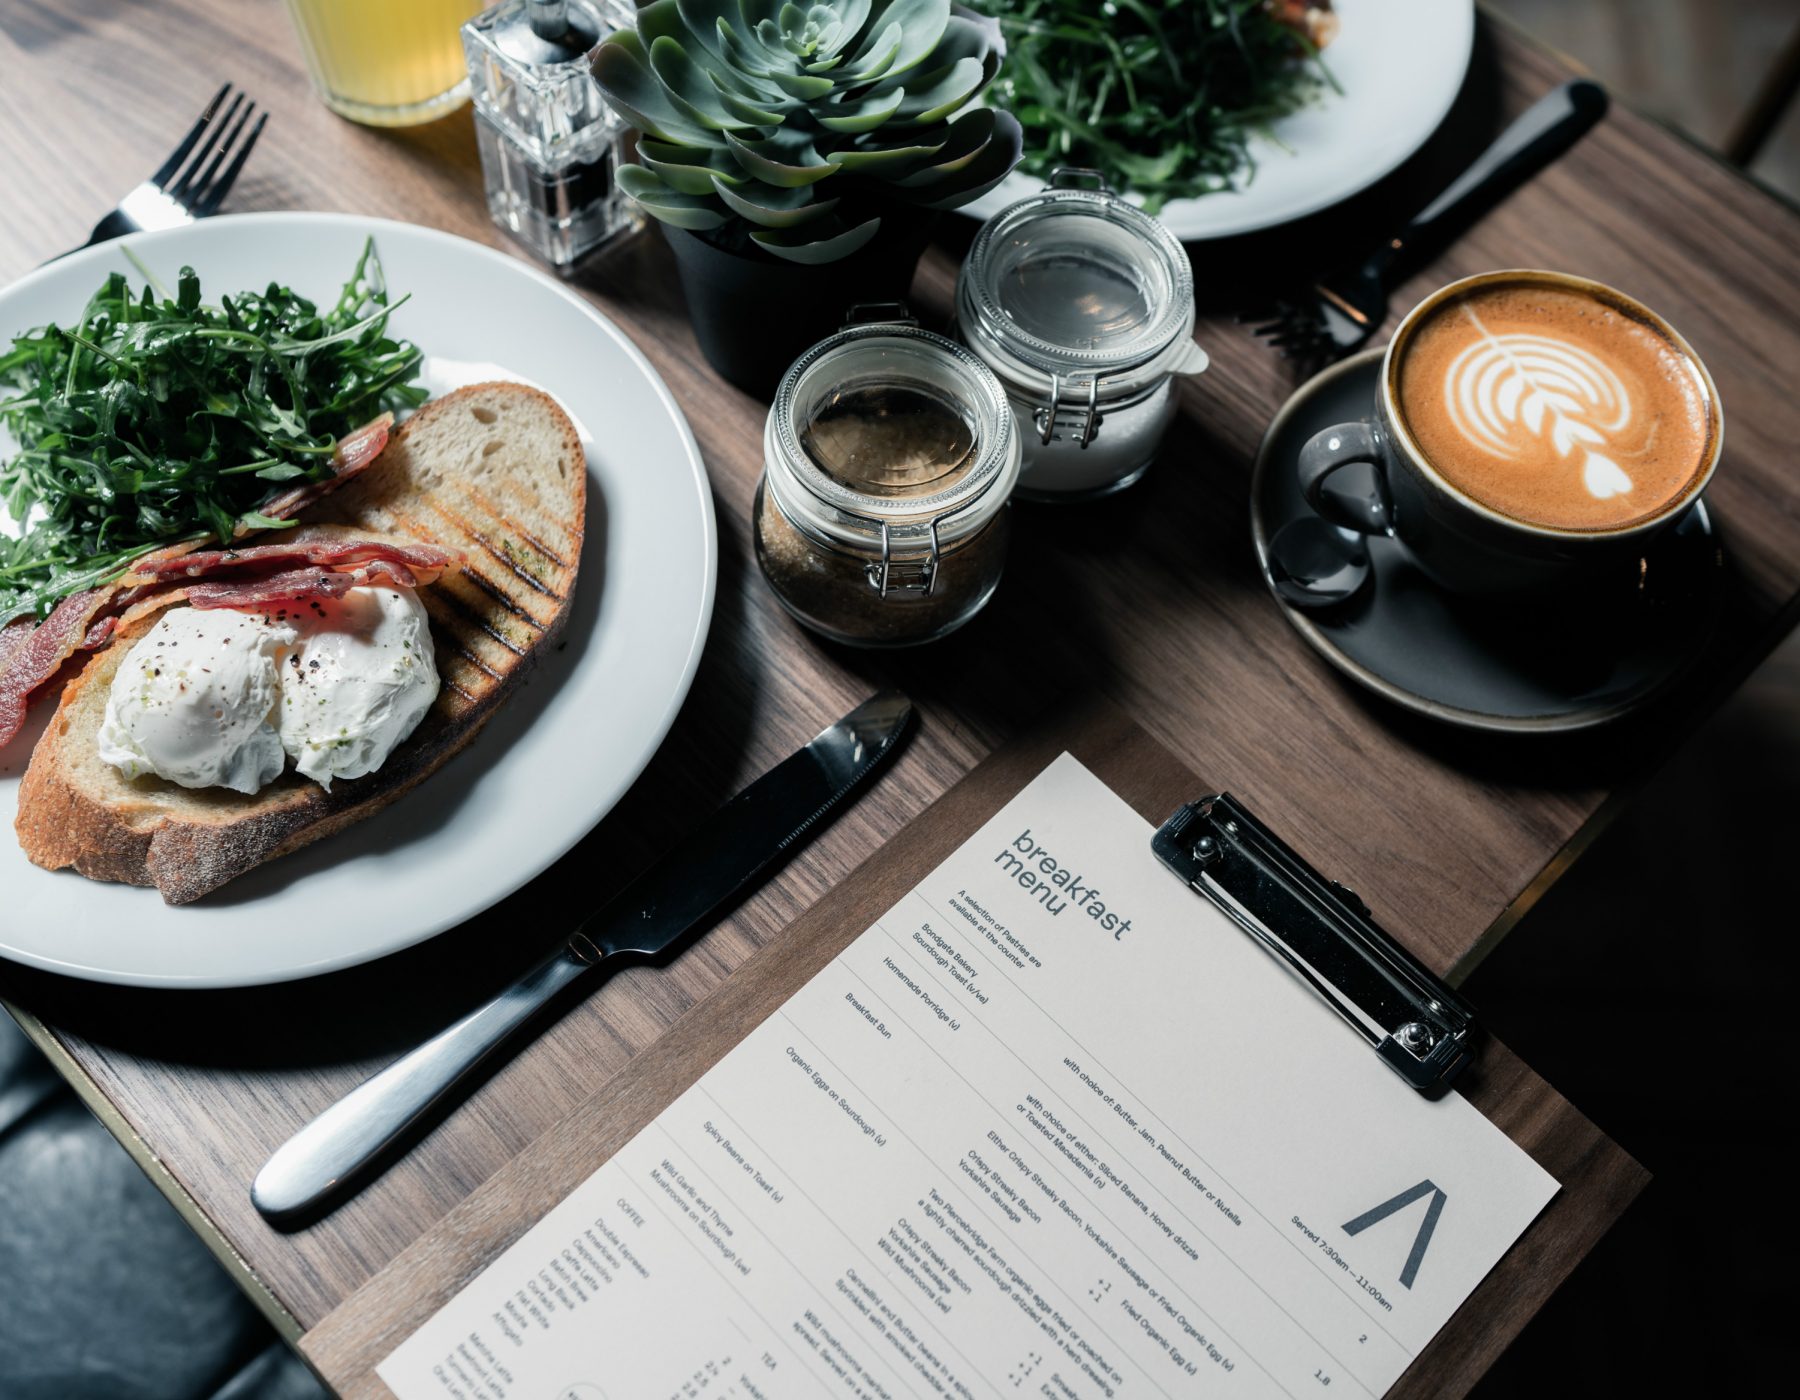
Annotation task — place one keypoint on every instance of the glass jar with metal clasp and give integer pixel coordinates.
(1083, 306)
(889, 456)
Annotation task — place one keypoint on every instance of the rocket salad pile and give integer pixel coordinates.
(1162, 96)
(156, 417)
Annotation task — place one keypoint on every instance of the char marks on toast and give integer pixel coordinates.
(519, 537)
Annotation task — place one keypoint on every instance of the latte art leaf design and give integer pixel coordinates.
(1504, 389)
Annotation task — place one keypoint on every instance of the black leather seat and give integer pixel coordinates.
(105, 1294)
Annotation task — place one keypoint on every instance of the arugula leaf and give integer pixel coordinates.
(153, 418)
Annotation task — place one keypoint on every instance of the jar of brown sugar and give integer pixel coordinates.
(888, 459)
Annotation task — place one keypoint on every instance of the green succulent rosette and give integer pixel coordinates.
(801, 125)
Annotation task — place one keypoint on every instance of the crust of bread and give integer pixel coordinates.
(496, 470)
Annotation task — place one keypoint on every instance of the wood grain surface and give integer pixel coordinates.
(1598, 1179)
(1152, 600)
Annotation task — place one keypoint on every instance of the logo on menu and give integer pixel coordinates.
(1394, 1204)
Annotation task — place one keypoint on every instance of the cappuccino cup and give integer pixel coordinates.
(1530, 431)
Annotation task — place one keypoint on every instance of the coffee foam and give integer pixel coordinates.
(1554, 406)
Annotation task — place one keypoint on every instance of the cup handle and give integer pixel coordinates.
(1338, 447)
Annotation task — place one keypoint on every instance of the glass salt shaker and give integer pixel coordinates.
(1083, 306)
(549, 144)
(889, 456)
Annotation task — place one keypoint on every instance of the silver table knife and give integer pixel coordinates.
(730, 850)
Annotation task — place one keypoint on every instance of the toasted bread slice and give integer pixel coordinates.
(495, 470)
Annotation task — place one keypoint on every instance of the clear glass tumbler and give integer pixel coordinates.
(386, 62)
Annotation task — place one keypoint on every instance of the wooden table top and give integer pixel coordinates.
(1152, 599)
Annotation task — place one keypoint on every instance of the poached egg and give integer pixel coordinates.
(358, 682)
(192, 701)
(224, 698)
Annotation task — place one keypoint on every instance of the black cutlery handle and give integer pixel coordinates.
(1552, 124)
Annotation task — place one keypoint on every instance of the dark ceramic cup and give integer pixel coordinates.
(1462, 544)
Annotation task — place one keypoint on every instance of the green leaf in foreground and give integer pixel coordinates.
(1162, 96)
(154, 417)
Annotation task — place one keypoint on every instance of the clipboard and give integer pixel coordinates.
(1598, 1178)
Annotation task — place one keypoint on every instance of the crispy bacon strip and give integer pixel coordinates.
(355, 450)
(100, 632)
(330, 552)
(11, 635)
(147, 606)
(289, 586)
(35, 657)
(388, 571)
(298, 585)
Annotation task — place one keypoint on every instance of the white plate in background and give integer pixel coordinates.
(1400, 63)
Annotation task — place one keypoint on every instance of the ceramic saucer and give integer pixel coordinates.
(1482, 666)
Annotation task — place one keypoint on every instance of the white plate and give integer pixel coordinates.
(1400, 63)
(558, 755)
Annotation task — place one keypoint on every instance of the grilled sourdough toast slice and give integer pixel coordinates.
(495, 470)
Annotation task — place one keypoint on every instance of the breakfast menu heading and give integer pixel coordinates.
(1051, 1127)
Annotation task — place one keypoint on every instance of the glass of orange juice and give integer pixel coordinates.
(386, 62)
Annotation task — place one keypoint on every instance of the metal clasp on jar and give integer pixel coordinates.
(1077, 177)
(1083, 422)
(904, 576)
(879, 313)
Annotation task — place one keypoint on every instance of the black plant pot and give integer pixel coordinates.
(755, 314)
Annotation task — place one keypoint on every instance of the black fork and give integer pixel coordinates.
(1335, 315)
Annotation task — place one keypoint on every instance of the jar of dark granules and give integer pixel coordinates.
(888, 459)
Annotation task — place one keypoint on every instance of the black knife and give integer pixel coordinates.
(734, 847)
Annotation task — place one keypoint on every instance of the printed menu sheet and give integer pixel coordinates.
(1052, 1127)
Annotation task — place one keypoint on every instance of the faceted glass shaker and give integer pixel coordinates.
(550, 146)
(1083, 306)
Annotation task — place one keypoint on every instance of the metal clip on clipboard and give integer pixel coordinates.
(1323, 932)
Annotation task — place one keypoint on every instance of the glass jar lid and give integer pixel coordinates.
(1076, 282)
(890, 440)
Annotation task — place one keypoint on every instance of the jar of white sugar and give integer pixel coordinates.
(1083, 306)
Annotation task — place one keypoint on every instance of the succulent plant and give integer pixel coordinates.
(803, 124)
